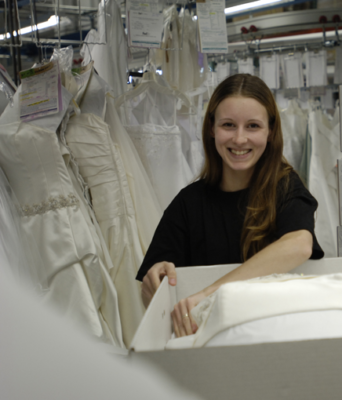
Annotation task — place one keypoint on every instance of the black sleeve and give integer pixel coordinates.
(297, 212)
(169, 242)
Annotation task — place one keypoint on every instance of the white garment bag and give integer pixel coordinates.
(338, 66)
(316, 68)
(245, 66)
(270, 70)
(293, 70)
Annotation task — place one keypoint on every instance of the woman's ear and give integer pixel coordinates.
(270, 134)
(212, 133)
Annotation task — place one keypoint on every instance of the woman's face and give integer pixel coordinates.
(241, 131)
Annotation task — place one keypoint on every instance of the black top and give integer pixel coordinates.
(203, 225)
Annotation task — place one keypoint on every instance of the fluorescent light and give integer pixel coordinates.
(52, 21)
(247, 6)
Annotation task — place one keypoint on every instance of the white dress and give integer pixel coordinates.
(149, 116)
(323, 179)
(101, 166)
(110, 55)
(79, 284)
(294, 124)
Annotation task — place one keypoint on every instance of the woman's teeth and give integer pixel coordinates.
(239, 153)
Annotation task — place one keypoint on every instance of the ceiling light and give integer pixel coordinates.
(52, 21)
(247, 6)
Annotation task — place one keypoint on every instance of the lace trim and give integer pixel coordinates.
(52, 203)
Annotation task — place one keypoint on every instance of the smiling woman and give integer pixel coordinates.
(248, 206)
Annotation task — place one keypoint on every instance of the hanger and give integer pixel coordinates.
(150, 80)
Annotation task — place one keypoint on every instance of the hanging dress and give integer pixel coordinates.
(149, 116)
(72, 258)
(294, 124)
(101, 166)
(323, 178)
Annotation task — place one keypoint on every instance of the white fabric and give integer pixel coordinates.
(79, 284)
(293, 70)
(245, 66)
(101, 166)
(312, 325)
(110, 57)
(270, 70)
(149, 115)
(294, 124)
(160, 151)
(223, 71)
(323, 179)
(147, 208)
(240, 302)
(17, 258)
(316, 68)
(338, 66)
(182, 68)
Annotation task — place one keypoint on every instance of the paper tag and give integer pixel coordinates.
(145, 29)
(212, 26)
(41, 91)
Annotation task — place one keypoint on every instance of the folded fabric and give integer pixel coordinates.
(239, 302)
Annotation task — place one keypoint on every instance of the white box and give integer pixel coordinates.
(305, 370)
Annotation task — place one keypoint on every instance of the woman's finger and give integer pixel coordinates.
(179, 321)
(185, 314)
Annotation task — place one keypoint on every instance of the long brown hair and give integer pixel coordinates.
(270, 178)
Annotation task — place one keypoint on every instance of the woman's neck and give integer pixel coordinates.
(232, 181)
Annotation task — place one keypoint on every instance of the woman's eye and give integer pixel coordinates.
(228, 124)
(253, 126)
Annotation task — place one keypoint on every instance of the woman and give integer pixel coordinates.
(248, 205)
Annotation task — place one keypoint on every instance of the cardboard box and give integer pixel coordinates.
(305, 370)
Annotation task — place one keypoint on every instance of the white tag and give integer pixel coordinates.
(40, 92)
(212, 26)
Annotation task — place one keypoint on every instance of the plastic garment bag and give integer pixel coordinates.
(269, 70)
(316, 68)
(338, 66)
(184, 68)
(293, 70)
(245, 66)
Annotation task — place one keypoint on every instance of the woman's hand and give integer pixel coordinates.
(183, 323)
(153, 278)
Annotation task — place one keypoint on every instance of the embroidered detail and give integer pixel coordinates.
(52, 203)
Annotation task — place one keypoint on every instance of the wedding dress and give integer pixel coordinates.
(294, 124)
(323, 178)
(56, 218)
(101, 166)
(148, 114)
(110, 49)
(17, 258)
(78, 280)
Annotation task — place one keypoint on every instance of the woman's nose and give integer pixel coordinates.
(240, 136)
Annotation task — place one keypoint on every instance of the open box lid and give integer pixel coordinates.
(155, 329)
